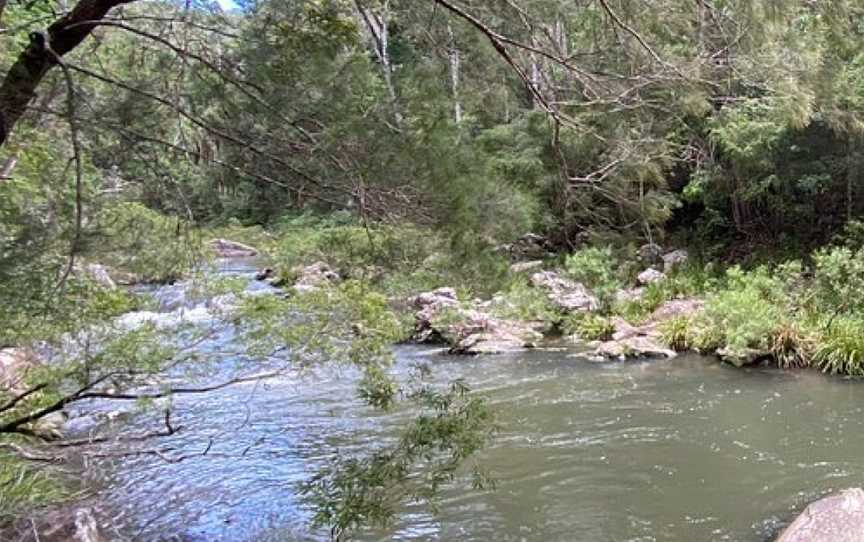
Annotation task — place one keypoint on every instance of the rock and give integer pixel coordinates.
(50, 427)
(232, 249)
(566, 294)
(15, 363)
(836, 518)
(312, 277)
(629, 341)
(631, 348)
(429, 305)
(66, 524)
(468, 330)
(674, 260)
(265, 274)
(497, 336)
(650, 276)
(528, 247)
(97, 273)
(650, 253)
(523, 267)
(742, 358)
(629, 295)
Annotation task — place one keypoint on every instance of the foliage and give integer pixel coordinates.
(589, 327)
(23, 487)
(596, 268)
(351, 492)
(153, 247)
(841, 347)
(523, 302)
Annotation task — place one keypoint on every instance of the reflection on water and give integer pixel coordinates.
(667, 450)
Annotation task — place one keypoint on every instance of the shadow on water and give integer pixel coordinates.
(684, 450)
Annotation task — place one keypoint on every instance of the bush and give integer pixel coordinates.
(838, 279)
(138, 240)
(841, 347)
(522, 302)
(749, 311)
(674, 333)
(587, 326)
(596, 269)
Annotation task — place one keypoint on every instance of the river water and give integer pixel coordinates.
(686, 449)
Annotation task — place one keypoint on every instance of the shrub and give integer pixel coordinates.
(841, 347)
(596, 269)
(138, 240)
(674, 333)
(838, 279)
(522, 302)
(791, 346)
(749, 311)
(587, 326)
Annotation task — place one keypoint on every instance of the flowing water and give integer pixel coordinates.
(686, 449)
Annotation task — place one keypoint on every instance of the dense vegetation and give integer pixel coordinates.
(403, 143)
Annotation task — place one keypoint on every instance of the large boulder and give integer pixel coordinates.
(313, 277)
(441, 318)
(836, 518)
(565, 294)
(232, 249)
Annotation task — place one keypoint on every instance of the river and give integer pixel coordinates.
(679, 450)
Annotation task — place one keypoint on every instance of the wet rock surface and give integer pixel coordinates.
(836, 518)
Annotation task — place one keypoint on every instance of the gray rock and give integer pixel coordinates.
(567, 295)
(742, 358)
(528, 247)
(674, 260)
(633, 347)
(650, 276)
(524, 267)
(836, 518)
(312, 277)
(50, 427)
(650, 253)
(629, 295)
(98, 274)
(15, 363)
(232, 249)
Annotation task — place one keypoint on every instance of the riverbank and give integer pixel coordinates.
(623, 302)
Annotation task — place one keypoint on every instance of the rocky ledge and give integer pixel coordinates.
(836, 518)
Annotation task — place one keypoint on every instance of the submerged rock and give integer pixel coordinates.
(567, 295)
(232, 249)
(836, 518)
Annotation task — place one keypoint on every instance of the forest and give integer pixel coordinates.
(315, 269)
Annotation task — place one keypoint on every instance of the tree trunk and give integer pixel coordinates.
(43, 53)
(455, 62)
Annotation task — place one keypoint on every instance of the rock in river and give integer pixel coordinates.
(232, 249)
(836, 518)
(564, 293)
